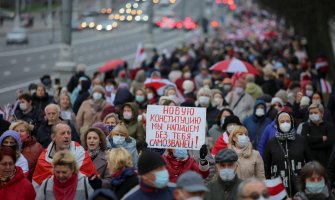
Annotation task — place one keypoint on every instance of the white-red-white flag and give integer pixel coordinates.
(139, 57)
(326, 88)
(276, 188)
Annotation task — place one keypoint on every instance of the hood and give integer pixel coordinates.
(251, 88)
(140, 76)
(259, 102)
(123, 96)
(134, 108)
(13, 134)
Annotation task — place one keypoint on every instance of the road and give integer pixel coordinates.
(23, 65)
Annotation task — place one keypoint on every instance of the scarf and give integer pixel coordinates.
(120, 176)
(285, 136)
(93, 153)
(5, 180)
(67, 190)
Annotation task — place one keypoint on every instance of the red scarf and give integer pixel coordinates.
(67, 190)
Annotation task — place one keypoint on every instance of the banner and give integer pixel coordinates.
(174, 127)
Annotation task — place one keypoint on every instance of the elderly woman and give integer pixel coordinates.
(313, 183)
(204, 96)
(250, 162)
(13, 183)
(90, 111)
(124, 176)
(95, 143)
(12, 139)
(119, 137)
(111, 120)
(66, 108)
(286, 153)
(66, 182)
(31, 149)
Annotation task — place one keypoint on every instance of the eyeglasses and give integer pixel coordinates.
(256, 195)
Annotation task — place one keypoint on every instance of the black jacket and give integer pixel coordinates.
(129, 183)
(219, 190)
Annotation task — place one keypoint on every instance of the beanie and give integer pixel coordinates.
(277, 100)
(14, 135)
(101, 126)
(230, 120)
(149, 161)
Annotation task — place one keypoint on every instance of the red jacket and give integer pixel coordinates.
(221, 143)
(31, 150)
(177, 167)
(18, 188)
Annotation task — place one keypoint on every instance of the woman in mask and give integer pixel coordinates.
(141, 100)
(90, 111)
(216, 130)
(119, 137)
(249, 163)
(312, 183)
(204, 99)
(66, 108)
(111, 120)
(286, 153)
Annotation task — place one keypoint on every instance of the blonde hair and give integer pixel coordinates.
(111, 115)
(119, 158)
(65, 158)
(27, 126)
(120, 128)
(237, 129)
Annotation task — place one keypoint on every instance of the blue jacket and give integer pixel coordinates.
(268, 133)
(143, 192)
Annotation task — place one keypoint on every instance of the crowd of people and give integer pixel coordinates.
(86, 139)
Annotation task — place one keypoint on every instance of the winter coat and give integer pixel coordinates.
(138, 82)
(250, 164)
(256, 125)
(320, 149)
(43, 135)
(331, 168)
(275, 164)
(122, 96)
(211, 115)
(242, 108)
(268, 133)
(4, 126)
(322, 196)
(221, 143)
(100, 163)
(18, 188)
(89, 113)
(79, 100)
(145, 192)
(31, 150)
(39, 103)
(73, 83)
(178, 167)
(134, 127)
(32, 117)
(215, 132)
(123, 182)
(129, 145)
(219, 190)
(270, 87)
(44, 163)
(83, 191)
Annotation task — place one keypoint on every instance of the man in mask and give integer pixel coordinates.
(153, 178)
(204, 99)
(226, 184)
(190, 186)
(26, 111)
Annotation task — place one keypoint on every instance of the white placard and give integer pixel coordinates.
(174, 127)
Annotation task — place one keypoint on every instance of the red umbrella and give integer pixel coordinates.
(234, 65)
(111, 64)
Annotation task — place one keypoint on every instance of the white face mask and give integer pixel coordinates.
(260, 112)
(119, 140)
(187, 75)
(150, 96)
(314, 117)
(204, 100)
(243, 141)
(23, 106)
(309, 93)
(217, 101)
(285, 127)
(127, 115)
(239, 90)
(97, 95)
(109, 88)
(230, 128)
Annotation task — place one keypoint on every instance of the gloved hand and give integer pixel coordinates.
(203, 152)
(95, 182)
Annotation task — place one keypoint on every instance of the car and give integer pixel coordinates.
(17, 35)
(106, 25)
(141, 18)
(88, 22)
(189, 24)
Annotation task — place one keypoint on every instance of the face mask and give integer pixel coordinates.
(79, 87)
(139, 99)
(97, 95)
(187, 75)
(314, 117)
(172, 96)
(222, 122)
(127, 115)
(285, 127)
(226, 87)
(316, 101)
(150, 96)
(242, 140)
(227, 174)
(119, 140)
(315, 188)
(239, 90)
(218, 101)
(260, 112)
(204, 100)
(23, 106)
(109, 127)
(309, 93)
(109, 88)
(162, 178)
(181, 153)
(230, 128)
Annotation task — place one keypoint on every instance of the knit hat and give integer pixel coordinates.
(231, 120)
(265, 97)
(277, 100)
(98, 88)
(282, 94)
(13, 134)
(226, 155)
(304, 101)
(188, 86)
(101, 126)
(149, 161)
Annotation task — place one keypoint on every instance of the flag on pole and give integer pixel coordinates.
(140, 56)
(325, 86)
(276, 188)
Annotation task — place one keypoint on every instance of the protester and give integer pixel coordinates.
(141, 100)
(27, 112)
(67, 182)
(31, 149)
(41, 99)
(66, 112)
(250, 162)
(190, 185)
(83, 94)
(13, 183)
(74, 80)
(215, 131)
(111, 120)
(224, 187)
(94, 143)
(153, 179)
(204, 98)
(252, 188)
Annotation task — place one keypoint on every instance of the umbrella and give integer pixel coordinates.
(234, 65)
(110, 65)
(159, 84)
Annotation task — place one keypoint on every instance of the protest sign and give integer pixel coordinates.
(175, 127)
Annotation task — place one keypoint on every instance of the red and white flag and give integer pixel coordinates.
(325, 86)
(276, 188)
(139, 57)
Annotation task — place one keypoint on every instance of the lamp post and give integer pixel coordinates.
(49, 16)
(17, 22)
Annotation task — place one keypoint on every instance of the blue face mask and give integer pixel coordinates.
(227, 174)
(109, 128)
(162, 178)
(222, 122)
(118, 140)
(181, 153)
(315, 187)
